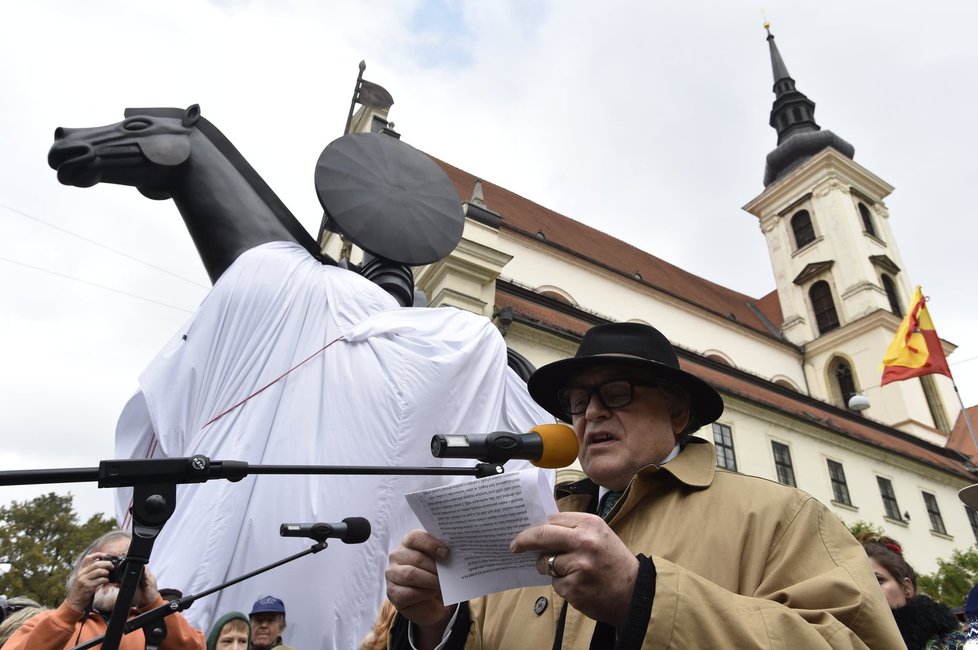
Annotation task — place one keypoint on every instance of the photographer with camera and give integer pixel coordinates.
(92, 589)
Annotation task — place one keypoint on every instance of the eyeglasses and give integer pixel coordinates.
(613, 394)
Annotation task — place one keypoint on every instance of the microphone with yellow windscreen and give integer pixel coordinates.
(546, 445)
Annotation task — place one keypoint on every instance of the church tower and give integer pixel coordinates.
(841, 282)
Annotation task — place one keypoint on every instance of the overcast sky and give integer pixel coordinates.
(645, 119)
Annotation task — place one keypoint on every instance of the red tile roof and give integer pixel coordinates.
(527, 218)
(960, 438)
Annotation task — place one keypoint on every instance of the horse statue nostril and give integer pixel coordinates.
(65, 152)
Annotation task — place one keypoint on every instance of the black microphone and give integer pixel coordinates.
(547, 445)
(352, 530)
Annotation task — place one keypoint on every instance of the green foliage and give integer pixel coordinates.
(39, 540)
(953, 580)
(858, 527)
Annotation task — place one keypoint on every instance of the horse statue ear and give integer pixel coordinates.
(191, 115)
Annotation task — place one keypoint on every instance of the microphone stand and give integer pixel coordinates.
(154, 483)
(148, 620)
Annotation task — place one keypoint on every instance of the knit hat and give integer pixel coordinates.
(215, 632)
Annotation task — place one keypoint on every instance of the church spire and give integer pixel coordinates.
(777, 63)
(793, 117)
(792, 111)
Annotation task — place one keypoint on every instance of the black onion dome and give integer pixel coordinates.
(800, 147)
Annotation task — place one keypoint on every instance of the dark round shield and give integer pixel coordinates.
(389, 198)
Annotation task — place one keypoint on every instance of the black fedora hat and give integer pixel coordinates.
(627, 344)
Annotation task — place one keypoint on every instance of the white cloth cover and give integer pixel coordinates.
(393, 378)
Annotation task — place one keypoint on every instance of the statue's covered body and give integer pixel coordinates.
(289, 361)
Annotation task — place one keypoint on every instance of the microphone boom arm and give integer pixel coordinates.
(198, 469)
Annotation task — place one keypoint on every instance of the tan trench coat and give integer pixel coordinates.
(741, 562)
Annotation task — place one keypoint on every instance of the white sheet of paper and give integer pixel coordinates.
(477, 520)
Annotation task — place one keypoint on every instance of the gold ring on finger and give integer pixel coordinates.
(551, 569)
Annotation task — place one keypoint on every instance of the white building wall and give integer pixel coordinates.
(612, 296)
(754, 429)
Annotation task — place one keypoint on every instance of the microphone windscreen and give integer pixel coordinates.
(357, 530)
(559, 445)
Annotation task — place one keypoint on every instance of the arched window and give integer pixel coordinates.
(867, 219)
(823, 306)
(556, 296)
(784, 383)
(801, 225)
(845, 385)
(891, 295)
(556, 293)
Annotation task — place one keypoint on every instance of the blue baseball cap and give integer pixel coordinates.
(267, 604)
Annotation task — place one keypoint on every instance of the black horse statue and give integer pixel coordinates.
(173, 153)
(387, 197)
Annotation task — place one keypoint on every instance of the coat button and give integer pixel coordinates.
(540, 606)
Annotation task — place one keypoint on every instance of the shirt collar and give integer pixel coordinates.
(695, 466)
(672, 454)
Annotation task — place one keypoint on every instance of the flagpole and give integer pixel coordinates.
(964, 412)
(353, 102)
(349, 120)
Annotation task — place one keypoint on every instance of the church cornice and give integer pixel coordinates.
(829, 185)
(824, 166)
(880, 318)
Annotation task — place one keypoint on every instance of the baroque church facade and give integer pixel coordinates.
(788, 364)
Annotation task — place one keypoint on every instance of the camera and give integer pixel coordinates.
(115, 573)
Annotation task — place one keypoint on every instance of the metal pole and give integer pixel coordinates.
(346, 130)
(353, 101)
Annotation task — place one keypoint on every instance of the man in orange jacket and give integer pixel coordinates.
(91, 595)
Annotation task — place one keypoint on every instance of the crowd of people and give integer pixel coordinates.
(91, 592)
(654, 547)
(260, 630)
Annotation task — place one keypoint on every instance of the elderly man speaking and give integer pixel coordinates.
(656, 548)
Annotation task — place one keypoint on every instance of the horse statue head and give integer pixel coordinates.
(144, 150)
(176, 153)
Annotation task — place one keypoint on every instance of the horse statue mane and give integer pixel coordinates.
(227, 148)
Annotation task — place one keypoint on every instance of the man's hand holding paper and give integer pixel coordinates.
(477, 520)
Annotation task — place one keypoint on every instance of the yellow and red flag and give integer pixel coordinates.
(916, 349)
